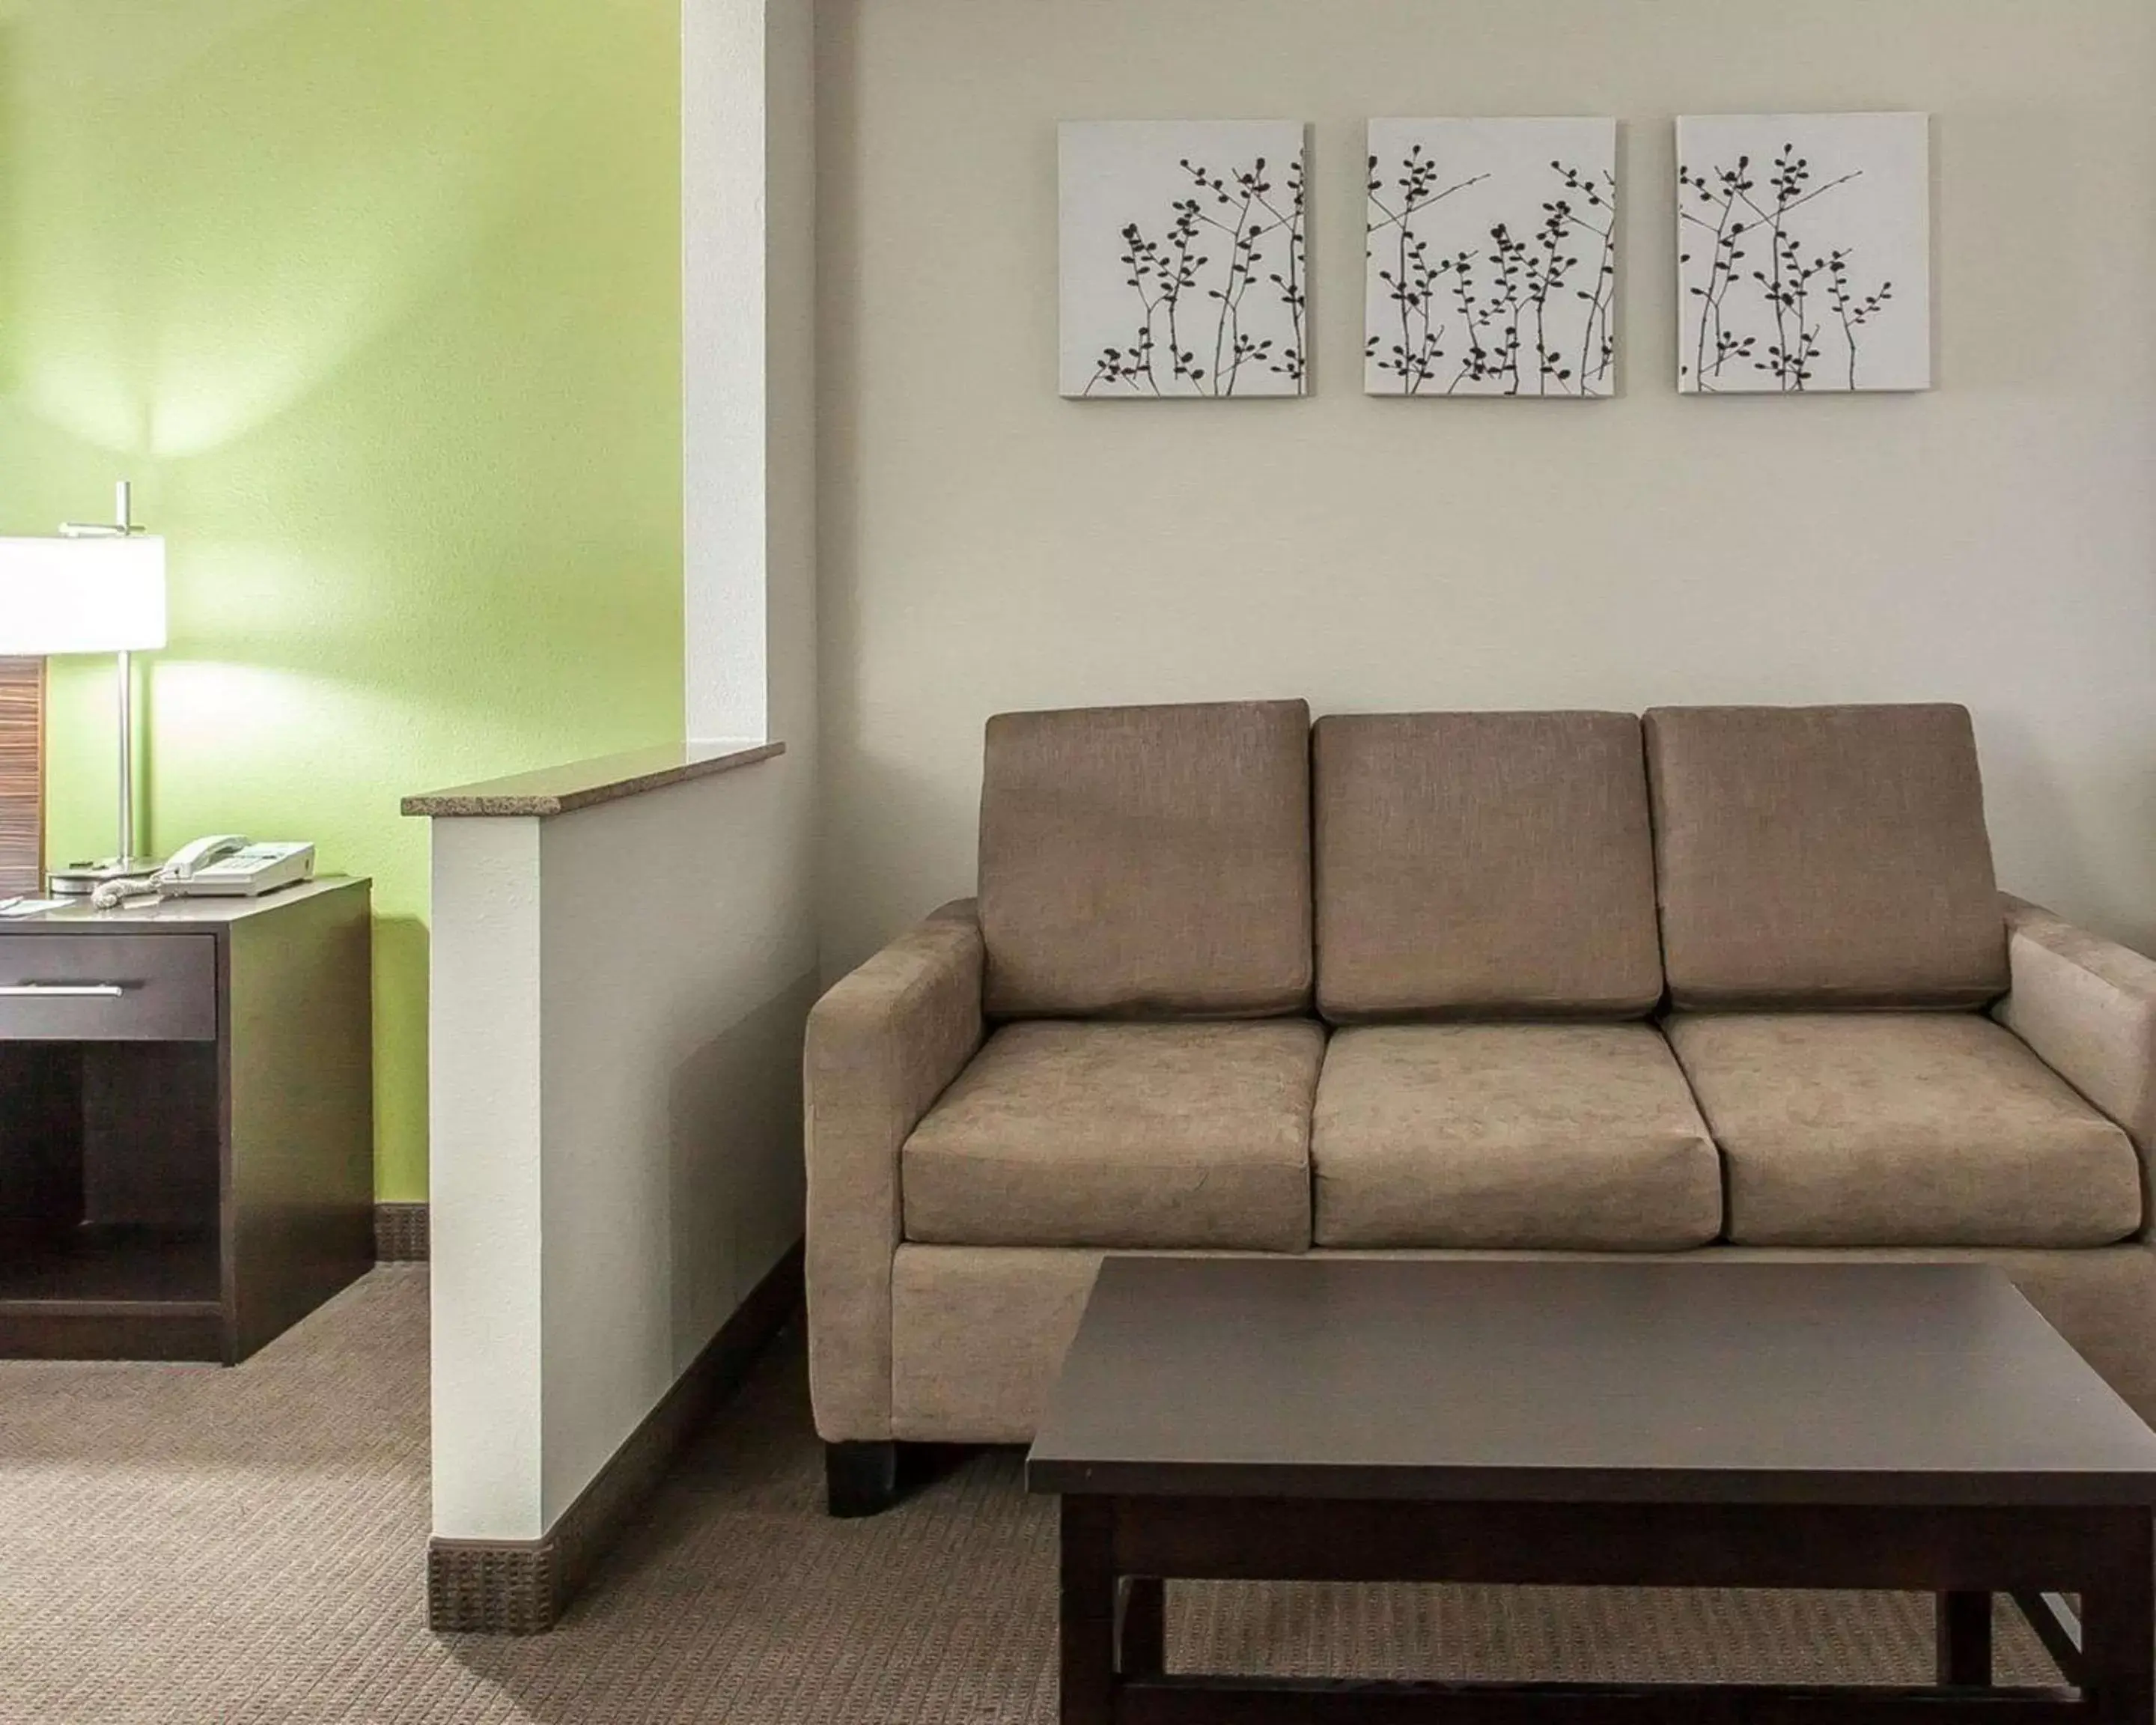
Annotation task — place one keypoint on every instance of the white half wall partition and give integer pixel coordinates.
(624, 953)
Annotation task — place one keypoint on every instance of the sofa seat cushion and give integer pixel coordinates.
(1067, 1134)
(1483, 866)
(1557, 1136)
(1859, 1129)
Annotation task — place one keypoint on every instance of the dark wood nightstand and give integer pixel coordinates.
(186, 1122)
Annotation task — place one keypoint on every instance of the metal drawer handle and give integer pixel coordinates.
(63, 991)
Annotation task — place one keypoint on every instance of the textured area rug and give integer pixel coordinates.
(185, 1543)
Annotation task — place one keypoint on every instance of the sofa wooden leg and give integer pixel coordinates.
(860, 1479)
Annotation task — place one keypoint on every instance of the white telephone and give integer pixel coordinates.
(228, 866)
(223, 865)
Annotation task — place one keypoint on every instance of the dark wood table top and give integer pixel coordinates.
(1587, 1382)
(166, 915)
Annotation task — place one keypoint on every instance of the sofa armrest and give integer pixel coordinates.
(2088, 1006)
(882, 1044)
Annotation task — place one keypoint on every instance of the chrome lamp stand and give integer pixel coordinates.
(82, 878)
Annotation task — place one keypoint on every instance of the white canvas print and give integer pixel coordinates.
(1492, 258)
(1182, 262)
(1804, 253)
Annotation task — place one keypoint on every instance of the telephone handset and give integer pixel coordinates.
(228, 866)
(223, 865)
(188, 858)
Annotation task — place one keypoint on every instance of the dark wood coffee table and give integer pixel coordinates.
(1904, 1426)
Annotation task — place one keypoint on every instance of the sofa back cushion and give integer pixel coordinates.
(1831, 856)
(1484, 863)
(1148, 861)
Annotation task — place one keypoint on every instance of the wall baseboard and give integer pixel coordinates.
(400, 1233)
(522, 1587)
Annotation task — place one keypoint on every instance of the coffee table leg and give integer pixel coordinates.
(1088, 1611)
(1964, 1638)
(1143, 1641)
(2118, 1626)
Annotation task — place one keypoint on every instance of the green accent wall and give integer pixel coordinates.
(378, 305)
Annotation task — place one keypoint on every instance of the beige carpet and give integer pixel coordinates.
(180, 1542)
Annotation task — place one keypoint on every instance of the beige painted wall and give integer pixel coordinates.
(986, 546)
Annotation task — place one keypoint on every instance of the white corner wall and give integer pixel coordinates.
(724, 208)
(748, 264)
(986, 546)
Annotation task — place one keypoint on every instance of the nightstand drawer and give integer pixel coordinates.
(108, 987)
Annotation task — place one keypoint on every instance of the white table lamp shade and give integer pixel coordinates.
(89, 595)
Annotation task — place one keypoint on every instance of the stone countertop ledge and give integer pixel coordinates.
(582, 784)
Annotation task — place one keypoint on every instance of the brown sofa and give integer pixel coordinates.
(1729, 981)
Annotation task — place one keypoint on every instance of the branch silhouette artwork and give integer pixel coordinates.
(1803, 253)
(1184, 269)
(1492, 258)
